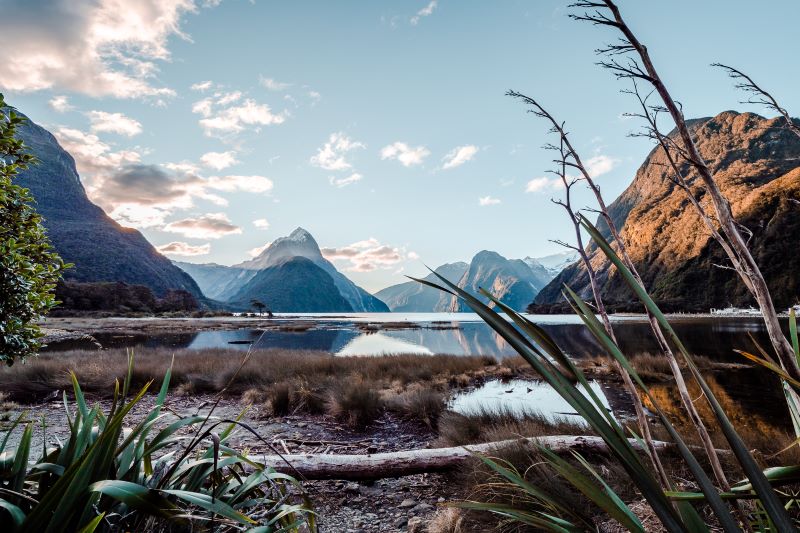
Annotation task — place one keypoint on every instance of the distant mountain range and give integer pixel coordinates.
(514, 282)
(756, 163)
(289, 275)
(82, 233)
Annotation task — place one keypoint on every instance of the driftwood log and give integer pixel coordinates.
(406, 463)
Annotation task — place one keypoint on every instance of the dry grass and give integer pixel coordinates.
(489, 425)
(198, 371)
(355, 390)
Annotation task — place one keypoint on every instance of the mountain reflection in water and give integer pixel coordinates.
(753, 390)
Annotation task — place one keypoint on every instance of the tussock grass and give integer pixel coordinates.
(487, 425)
(199, 371)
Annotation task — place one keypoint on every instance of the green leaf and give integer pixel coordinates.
(208, 503)
(137, 497)
(772, 504)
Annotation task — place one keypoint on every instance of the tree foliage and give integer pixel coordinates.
(29, 266)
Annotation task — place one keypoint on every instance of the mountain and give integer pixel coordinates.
(513, 281)
(231, 284)
(214, 280)
(509, 280)
(553, 264)
(412, 296)
(756, 163)
(82, 233)
(292, 284)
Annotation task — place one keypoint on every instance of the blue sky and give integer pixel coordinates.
(380, 127)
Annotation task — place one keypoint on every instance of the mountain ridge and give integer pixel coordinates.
(117, 253)
(756, 165)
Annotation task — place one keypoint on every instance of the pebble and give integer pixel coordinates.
(408, 502)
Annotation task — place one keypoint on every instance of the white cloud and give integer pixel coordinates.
(273, 84)
(459, 155)
(144, 195)
(102, 121)
(345, 181)
(219, 160)
(60, 104)
(366, 256)
(220, 121)
(488, 200)
(95, 47)
(332, 154)
(600, 164)
(184, 249)
(542, 183)
(202, 86)
(261, 223)
(255, 184)
(229, 97)
(207, 226)
(255, 252)
(424, 12)
(406, 155)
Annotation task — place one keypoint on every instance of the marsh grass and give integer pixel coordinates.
(199, 371)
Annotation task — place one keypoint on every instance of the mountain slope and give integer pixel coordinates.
(300, 243)
(414, 297)
(231, 283)
(755, 162)
(82, 233)
(292, 284)
(214, 280)
(509, 280)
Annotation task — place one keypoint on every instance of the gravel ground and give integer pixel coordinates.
(388, 505)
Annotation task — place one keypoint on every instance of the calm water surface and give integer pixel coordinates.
(374, 334)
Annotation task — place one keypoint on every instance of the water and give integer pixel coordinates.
(754, 390)
(519, 397)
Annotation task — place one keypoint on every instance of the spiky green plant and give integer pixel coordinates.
(675, 510)
(112, 474)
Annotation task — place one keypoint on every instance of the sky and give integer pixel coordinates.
(382, 128)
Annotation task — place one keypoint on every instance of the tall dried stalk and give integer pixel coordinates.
(573, 160)
(641, 67)
(566, 203)
(760, 96)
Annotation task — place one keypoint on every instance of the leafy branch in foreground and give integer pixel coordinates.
(109, 476)
(29, 267)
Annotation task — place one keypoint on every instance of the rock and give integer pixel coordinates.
(400, 522)
(407, 503)
(421, 508)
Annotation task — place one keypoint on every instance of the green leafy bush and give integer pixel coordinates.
(29, 268)
(111, 474)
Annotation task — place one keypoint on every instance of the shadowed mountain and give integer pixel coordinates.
(101, 249)
(412, 296)
(231, 284)
(756, 165)
(513, 281)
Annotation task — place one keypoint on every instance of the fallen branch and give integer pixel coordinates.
(406, 463)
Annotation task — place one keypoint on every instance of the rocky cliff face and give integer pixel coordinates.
(756, 163)
(231, 284)
(83, 234)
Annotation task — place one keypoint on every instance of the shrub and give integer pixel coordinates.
(29, 268)
(130, 477)
(355, 403)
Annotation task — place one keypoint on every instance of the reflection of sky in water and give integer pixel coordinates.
(519, 396)
(382, 344)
